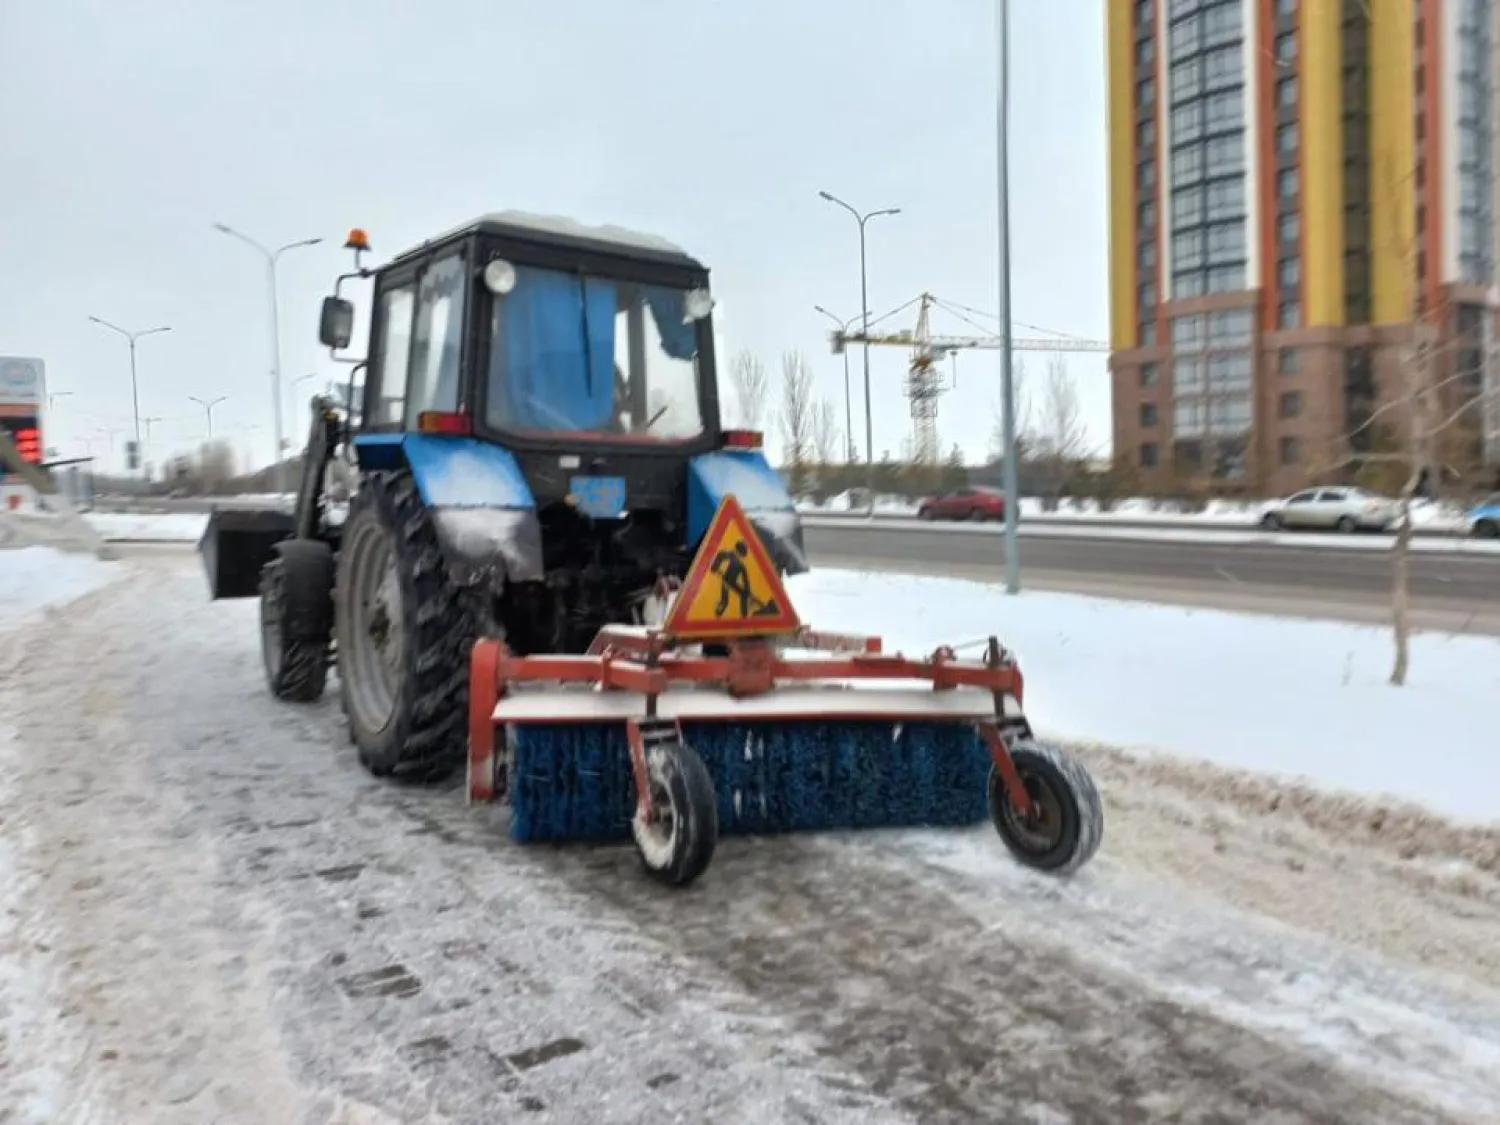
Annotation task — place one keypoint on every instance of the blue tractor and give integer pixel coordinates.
(538, 456)
(539, 449)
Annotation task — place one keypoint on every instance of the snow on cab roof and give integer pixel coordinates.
(568, 228)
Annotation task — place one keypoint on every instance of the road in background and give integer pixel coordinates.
(1458, 591)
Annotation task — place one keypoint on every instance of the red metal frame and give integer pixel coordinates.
(648, 662)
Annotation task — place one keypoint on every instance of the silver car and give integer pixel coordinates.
(1335, 508)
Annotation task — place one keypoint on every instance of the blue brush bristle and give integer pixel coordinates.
(572, 781)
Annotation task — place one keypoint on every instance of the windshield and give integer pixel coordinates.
(592, 355)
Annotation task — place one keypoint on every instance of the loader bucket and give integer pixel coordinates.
(236, 544)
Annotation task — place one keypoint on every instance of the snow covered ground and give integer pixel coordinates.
(234, 923)
(32, 578)
(1304, 699)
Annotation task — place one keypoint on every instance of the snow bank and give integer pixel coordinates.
(174, 527)
(1288, 697)
(34, 577)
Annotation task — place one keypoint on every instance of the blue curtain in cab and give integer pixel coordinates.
(668, 306)
(554, 383)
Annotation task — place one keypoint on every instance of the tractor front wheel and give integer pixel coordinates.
(295, 591)
(1065, 828)
(676, 846)
(403, 636)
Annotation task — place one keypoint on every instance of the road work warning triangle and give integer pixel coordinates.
(732, 589)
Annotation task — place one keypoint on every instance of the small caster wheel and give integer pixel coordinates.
(1068, 823)
(678, 844)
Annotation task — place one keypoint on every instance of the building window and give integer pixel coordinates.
(1289, 273)
(1148, 455)
(1146, 214)
(1146, 295)
(1188, 283)
(1143, 12)
(1145, 255)
(1187, 250)
(1286, 7)
(1143, 54)
(1148, 414)
(1226, 198)
(1289, 314)
(1145, 175)
(1286, 138)
(1148, 375)
(1290, 404)
(1229, 328)
(1286, 183)
(1187, 331)
(1226, 155)
(1286, 47)
(1291, 451)
(1147, 333)
(1286, 92)
(1288, 227)
(1288, 361)
(1145, 133)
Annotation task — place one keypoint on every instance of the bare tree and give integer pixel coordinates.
(1416, 409)
(796, 415)
(1023, 414)
(825, 432)
(748, 374)
(1061, 438)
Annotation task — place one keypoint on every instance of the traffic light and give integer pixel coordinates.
(132, 456)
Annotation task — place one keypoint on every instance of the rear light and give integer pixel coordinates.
(743, 439)
(444, 422)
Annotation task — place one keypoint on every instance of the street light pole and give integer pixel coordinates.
(1007, 375)
(208, 407)
(850, 448)
(272, 257)
(135, 398)
(864, 303)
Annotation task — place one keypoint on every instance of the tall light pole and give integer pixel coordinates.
(1007, 375)
(272, 257)
(135, 398)
(864, 305)
(849, 447)
(208, 408)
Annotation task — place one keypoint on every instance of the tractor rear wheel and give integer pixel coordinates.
(1068, 823)
(403, 636)
(295, 591)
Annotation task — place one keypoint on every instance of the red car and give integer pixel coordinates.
(964, 504)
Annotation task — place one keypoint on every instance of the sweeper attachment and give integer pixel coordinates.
(733, 718)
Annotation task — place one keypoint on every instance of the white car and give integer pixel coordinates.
(1334, 508)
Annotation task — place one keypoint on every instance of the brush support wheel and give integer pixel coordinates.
(1068, 823)
(677, 844)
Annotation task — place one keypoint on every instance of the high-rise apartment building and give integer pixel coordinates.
(1298, 188)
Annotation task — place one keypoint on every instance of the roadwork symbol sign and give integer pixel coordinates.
(732, 589)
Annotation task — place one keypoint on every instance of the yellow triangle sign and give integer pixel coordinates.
(732, 589)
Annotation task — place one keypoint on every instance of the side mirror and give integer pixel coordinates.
(336, 324)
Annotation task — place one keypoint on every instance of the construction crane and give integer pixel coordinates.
(924, 385)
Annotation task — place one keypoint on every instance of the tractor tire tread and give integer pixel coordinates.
(429, 741)
(303, 673)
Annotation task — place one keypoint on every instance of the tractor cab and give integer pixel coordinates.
(538, 333)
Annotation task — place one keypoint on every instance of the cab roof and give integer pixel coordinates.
(558, 230)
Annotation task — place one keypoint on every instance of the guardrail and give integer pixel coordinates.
(1101, 523)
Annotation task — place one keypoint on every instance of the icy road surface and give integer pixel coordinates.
(211, 914)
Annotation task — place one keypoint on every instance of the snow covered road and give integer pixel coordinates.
(211, 913)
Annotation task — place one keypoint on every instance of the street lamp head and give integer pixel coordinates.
(223, 228)
(825, 195)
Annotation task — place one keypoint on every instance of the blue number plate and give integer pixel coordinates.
(603, 498)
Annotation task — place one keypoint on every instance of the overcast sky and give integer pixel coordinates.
(127, 129)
